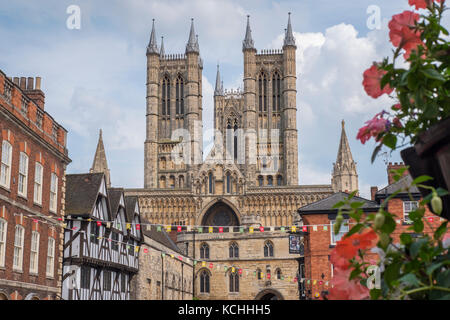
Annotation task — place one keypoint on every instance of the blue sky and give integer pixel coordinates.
(95, 77)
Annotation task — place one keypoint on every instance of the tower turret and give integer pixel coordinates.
(100, 164)
(290, 107)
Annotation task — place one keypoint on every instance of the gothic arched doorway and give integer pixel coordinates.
(220, 214)
(269, 294)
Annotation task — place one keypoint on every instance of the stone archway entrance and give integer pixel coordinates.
(269, 294)
(220, 214)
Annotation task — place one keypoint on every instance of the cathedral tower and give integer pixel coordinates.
(174, 102)
(344, 177)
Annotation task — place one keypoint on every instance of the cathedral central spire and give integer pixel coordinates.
(345, 177)
(100, 164)
(248, 41)
(192, 45)
(152, 46)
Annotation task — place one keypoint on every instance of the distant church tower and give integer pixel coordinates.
(174, 101)
(100, 164)
(344, 176)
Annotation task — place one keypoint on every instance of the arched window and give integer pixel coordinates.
(228, 175)
(172, 182)
(279, 180)
(162, 182)
(234, 282)
(234, 250)
(276, 89)
(181, 182)
(162, 163)
(278, 273)
(179, 96)
(165, 97)
(262, 86)
(235, 141)
(260, 181)
(268, 249)
(204, 281)
(270, 181)
(204, 251)
(211, 183)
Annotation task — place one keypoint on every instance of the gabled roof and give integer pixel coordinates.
(161, 237)
(81, 192)
(114, 195)
(130, 205)
(403, 183)
(326, 205)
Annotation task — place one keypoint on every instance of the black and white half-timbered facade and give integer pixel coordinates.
(101, 241)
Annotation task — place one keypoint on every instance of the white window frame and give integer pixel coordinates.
(344, 229)
(50, 270)
(5, 174)
(3, 232)
(53, 192)
(23, 175)
(406, 212)
(34, 252)
(38, 183)
(18, 248)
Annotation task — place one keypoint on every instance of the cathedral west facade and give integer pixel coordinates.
(250, 177)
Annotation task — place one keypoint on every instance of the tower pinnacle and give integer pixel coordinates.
(161, 52)
(248, 41)
(289, 39)
(192, 45)
(218, 91)
(100, 164)
(152, 46)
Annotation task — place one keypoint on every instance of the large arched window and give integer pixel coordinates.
(262, 86)
(234, 250)
(162, 182)
(204, 281)
(165, 97)
(172, 182)
(260, 181)
(234, 282)
(276, 89)
(204, 251)
(270, 181)
(268, 249)
(179, 95)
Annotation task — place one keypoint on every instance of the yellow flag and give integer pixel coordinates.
(203, 263)
(171, 255)
(136, 249)
(168, 228)
(251, 229)
(128, 226)
(315, 281)
(294, 229)
(210, 229)
(232, 269)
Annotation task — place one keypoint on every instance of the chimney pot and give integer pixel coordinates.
(23, 81)
(373, 191)
(30, 83)
(16, 80)
(38, 83)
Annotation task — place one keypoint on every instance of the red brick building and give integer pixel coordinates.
(32, 177)
(319, 239)
(403, 203)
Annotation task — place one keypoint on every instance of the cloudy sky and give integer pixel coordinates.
(94, 77)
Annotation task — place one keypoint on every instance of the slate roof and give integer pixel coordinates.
(400, 184)
(81, 192)
(130, 204)
(161, 237)
(114, 199)
(326, 205)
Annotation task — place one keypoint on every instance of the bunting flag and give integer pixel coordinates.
(136, 249)
(325, 228)
(138, 226)
(268, 276)
(211, 265)
(158, 228)
(200, 230)
(210, 229)
(220, 229)
(293, 228)
(128, 226)
(315, 228)
(179, 229)
(240, 271)
(168, 228)
(241, 230)
(203, 263)
(282, 229)
(250, 230)
(99, 223)
(261, 229)
(304, 228)
(108, 225)
(232, 269)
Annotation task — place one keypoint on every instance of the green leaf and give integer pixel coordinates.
(443, 279)
(415, 247)
(390, 140)
(354, 230)
(405, 238)
(356, 205)
(421, 179)
(433, 74)
(410, 279)
(375, 294)
(418, 226)
(375, 152)
(441, 230)
(339, 204)
(433, 267)
(392, 272)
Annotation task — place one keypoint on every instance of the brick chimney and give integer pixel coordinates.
(373, 191)
(33, 90)
(394, 166)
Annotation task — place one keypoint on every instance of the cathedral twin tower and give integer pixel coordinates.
(266, 108)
